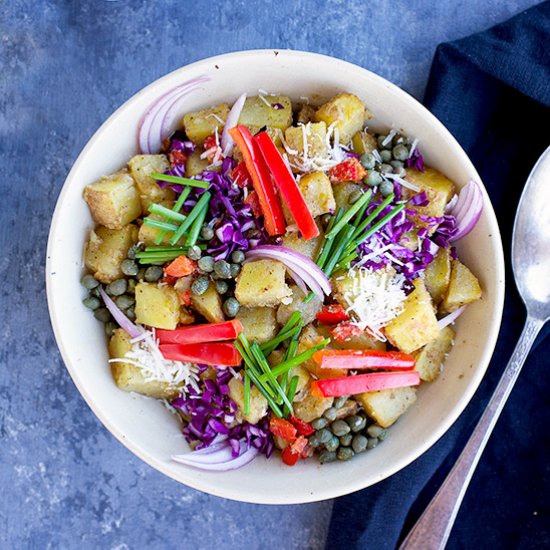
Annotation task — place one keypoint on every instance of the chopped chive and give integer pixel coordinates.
(365, 223)
(268, 347)
(365, 199)
(166, 212)
(298, 359)
(182, 181)
(339, 247)
(177, 207)
(380, 224)
(327, 245)
(359, 216)
(292, 387)
(160, 225)
(196, 227)
(246, 406)
(197, 209)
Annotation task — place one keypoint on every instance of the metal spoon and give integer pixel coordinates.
(531, 264)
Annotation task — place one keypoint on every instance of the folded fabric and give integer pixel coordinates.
(492, 91)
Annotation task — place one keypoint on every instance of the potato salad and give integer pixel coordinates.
(281, 274)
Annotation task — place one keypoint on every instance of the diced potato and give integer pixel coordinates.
(347, 111)
(307, 309)
(147, 234)
(349, 408)
(430, 359)
(463, 288)
(310, 337)
(256, 113)
(129, 377)
(259, 323)
(363, 142)
(113, 200)
(258, 403)
(308, 140)
(386, 406)
(198, 125)
(345, 284)
(363, 341)
(209, 304)
(262, 283)
(417, 325)
(439, 190)
(195, 165)
(310, 406)
(317, 192)
(276, 357)
(106, 249)
(306, 113)
(438, 274)
(141, 168)
(342, 192)
(157, 305)
(186, 316)
(309, 248)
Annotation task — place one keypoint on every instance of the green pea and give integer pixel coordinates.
(89, 281)
(109, 327)
(382, 143)
(91, 302)
(375, 430)
(339, 402)
(200, 285)
(368, 161)
(345, 440)
(319, 423)
(359, 443)
(129, 267)
(330, 414)
(206, 264)
(153, 273)
(332, 444)
(386, 168)
(207, 233)
(222, 269)
(372, 442)
(386, 188)
(131, 286)
(385, 155)
(400, 152)
(221, 287)
(324, 435)
(131, 314)
(234, 270)
(340, 428)
(354, 196)
(373, 178)
(356, 422)
(125, 301)
(327, 456)
(314, 441)
(231, 307)
(102, 314)
(237, 257)
(345, 453)
(194, 252)
(117, 288)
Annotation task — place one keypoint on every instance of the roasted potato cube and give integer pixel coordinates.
(141, 168)
(157, 305)
(309, 248)
(463, 288)
(350, 407)
(342, 192)
(105, 250)
(317, 192)
(307, 309)
(416, 326)
(258, 403)
(347, 112)
(129, 377)
(262, 283)
(310, 406)
(306, 113)
(147, 234)
(186, 316)
(430, 359)
(195, 165)
(198, 125)
(259, 323)
(276, 357)
(209, 305)
(310, 337)
(362, 341)
(113, 200)
(363, 142)
(386, 406)
(439, 190)
(308, 140)
(438, 274)
(256, 113)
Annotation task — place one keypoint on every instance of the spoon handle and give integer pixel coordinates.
(432, 530)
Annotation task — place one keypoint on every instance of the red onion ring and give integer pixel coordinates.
(448, 319)
(218, 461)
(226, 141)
(467, 209)
(133, 330)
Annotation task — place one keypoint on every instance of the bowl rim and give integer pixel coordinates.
(322, 494)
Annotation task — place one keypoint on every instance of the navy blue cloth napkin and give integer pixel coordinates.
(492, 91)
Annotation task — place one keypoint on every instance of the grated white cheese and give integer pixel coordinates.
(388, 138)
(413, 147)
(402, 182)
(218, 119)
(375, 298)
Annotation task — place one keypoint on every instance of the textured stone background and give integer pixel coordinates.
(64, 67)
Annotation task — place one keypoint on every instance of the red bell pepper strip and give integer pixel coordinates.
(357, 359)
(332, 314)
(360, 383)
(197, 334)
(240, 175)
(282, 428)
(344, 331)
(303, 428)
(270, 203)
(285, 182)
(220, 354)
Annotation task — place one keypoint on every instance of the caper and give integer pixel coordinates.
(356, 422)
(373, 178)
(314, 441)
(89, 281)
(91, 302)
(324, 435)
(368, 161)
(330, 414)
(398, 138)
(354, 196)
(206, 264)
(125, 301)
(383, 143)
(375, 430)
(327, 456)
(237, 257)
(109, 327)
(397, 165)
(131, 314)
(131, 286)
(234, 270)
(383, 435)
(386, 188)
(153, 273)
(386, 168)
(207, 233)
(117, 288)
(129, 267)
(359, 443)
(231, 307)
(221, 287)
(325, 218)
(372, 442)
(332, 444)
(102, 314)
(345, 453)
(96, 292)
(340, 428)
(200, 285)
(222, 269)
(339, 402)
(319, 423)
(131, 254)
(345, 440)
(400, 152)
(385, 155)
(194, 252)
(141, 274)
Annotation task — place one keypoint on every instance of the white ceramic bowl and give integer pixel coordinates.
(144, 425)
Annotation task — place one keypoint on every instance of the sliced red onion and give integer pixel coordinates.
(133, 330)
(448, 319)
(298, 280)
(219, 461)
(451, 203)
(226, 141)
(467, 209)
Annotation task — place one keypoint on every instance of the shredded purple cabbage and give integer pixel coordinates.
(211, 412)
(416, 161)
